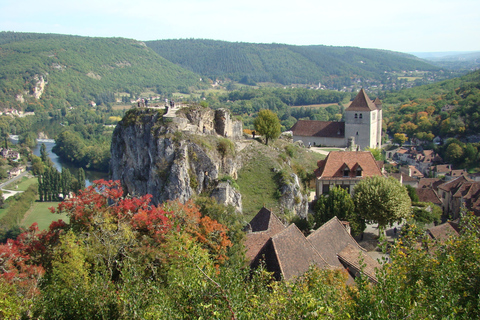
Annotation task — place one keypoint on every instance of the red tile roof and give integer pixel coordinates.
(355, 260)
(314, 128)
(334, 164)
(429, 182)
(295, 254)
(262, 227)
(330, 239)
(428, 195)
(442, 232)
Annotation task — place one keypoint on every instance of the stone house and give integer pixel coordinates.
(459, 193)
(345, 169)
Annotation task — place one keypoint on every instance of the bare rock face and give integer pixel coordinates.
(225, 193)
(292, 199)
(168, 157)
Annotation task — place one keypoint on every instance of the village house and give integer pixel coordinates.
(14, 172)
(405, 179)
(422, 160)
(362, 126)
(411, 171)
(443, 231)
(9, 154)
(459, 193)
(345, 169)
(287, 253)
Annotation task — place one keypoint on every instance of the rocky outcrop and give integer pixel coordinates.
(170, 158)
(225, 193)
(38, 88)
(292, 199)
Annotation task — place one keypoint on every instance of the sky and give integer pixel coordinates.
(405, 26)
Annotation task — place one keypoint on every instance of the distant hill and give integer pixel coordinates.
(249, 63)
(452, 60)
(77, 69)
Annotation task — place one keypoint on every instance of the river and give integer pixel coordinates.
(90, 175)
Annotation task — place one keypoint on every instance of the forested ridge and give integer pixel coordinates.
(78, 69)
(285, 64)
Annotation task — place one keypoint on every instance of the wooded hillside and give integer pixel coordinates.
(286, 64)
(78, 69)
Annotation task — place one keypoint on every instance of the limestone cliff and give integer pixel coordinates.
(174, 157)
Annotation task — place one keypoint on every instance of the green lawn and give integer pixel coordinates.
(40, 214)
(22, 184)
(257, 185)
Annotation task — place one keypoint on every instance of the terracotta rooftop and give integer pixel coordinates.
(289, 254)
(442, 232)
(362, 103)
(330, 239)
(295, 254)
(262, 227)
(354, 259)
(334, 165)
(429, 182)
(314, 128)
(453, 184)
(428, 195)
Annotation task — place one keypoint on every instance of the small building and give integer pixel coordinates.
(345, 169)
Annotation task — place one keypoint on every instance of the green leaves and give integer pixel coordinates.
(382, 200)
(267, 124)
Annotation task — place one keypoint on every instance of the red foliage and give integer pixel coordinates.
(209, 232)
(16, 267)
(106, 197)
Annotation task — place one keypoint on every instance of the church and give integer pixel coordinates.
(362, 127)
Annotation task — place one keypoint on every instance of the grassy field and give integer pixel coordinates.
(257, 185)
(41, 214)
(257, 180)
(21, 185)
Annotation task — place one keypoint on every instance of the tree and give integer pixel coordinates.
(43, 153)
(454, 153)
(376, 153)
(399, 138)
(267, 124)
(381, 200)
(339, 203)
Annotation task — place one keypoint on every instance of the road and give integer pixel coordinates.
(9, 193)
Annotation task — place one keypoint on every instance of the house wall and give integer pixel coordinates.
(322, 141)
(322, 184)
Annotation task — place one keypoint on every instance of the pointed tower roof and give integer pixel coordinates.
(362, 103)
(378, 103)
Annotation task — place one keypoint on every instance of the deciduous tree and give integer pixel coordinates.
(381, 200)
(268, 125)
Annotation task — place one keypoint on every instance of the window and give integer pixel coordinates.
(359, 171)
(346, 171)
(360, 116)
(356, 115)
(325, 189)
